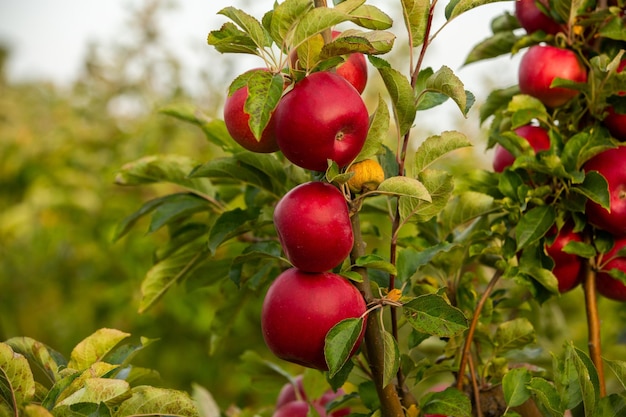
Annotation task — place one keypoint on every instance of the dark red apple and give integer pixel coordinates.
(313, 225)
(541, 65)
(288, 394)
(566, 265)
(537, 138)
(300, 308)
(323, 117)
(532, 19)
(612, 165)
(237, 123)
(293, 409)
(616, 122)
(606, 284)
(354, 69)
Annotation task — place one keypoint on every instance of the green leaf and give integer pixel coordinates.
(174, 169)
(377, 133)
(166, 273)
(614, 28)
(466, 207)
(433, 315)
(595, 188)
(405, 186)
(230, 224)
(587, 379)
(268, 164)
(444, 81)
(249, 25)
(415, 13)
(371, 17)
(46, 359)
(98, 390)
(514, 334)
(584, 250)
(533, 225)
(514, 386)
(449, 402)
(401, 93)
(391, 362)
(496, 100)
(340, 341)
(95, 370)
(229, 39)
(456, 8)
(148, 400)
(374, 261)
(547, 397)
(232, 169)
(264, 91)
(207, 406)
(435, 147)
(285, 17)
(316, 21)
(94, 347)
(439, 185)
(175, 207)
(17, 384)
(619, 369)
(497, 45)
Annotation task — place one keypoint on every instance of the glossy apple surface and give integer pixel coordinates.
(616, 122)
(237, 124)
(537, 138)
(612, 165)
(541, 65)
(287, 394)
(313, 225)
(532, 19)
(354, 69)
(300, 308)
(323, 117)
(606, 284)
(566, 265)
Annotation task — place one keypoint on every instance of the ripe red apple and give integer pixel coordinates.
(606, 284)
(537, 138)
(323, 117)
(532, 19)
(612, 165)
(237, 124)
(293, 409)
(541, 65)
(354, 69)
(300, 308)
(313, 225)
(566, 265)
(615, 122)
(287, 394)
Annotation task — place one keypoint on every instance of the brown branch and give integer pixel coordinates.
(472, 329)
(593, 321)
(374, 342)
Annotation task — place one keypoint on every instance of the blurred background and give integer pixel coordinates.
(81, 83)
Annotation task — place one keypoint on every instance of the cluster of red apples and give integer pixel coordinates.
(319, 118)
(539, 67)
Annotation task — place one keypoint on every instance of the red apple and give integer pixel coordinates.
(288, 394)
(541, 65)
(323, 117)
(293, 409)
(532, 19)
(237, 124)
(354, 69)
(536, 136)
(615, 122)
(566, 266)
(300, 308)
(313, 225)
(612, 165)
(606, 284)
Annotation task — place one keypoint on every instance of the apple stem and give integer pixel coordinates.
(472, 329)
(374, 343)
(593, 322)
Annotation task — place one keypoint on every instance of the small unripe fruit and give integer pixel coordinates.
(368, 174)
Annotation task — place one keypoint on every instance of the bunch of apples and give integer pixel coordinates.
(540, 66)
(320, 118)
